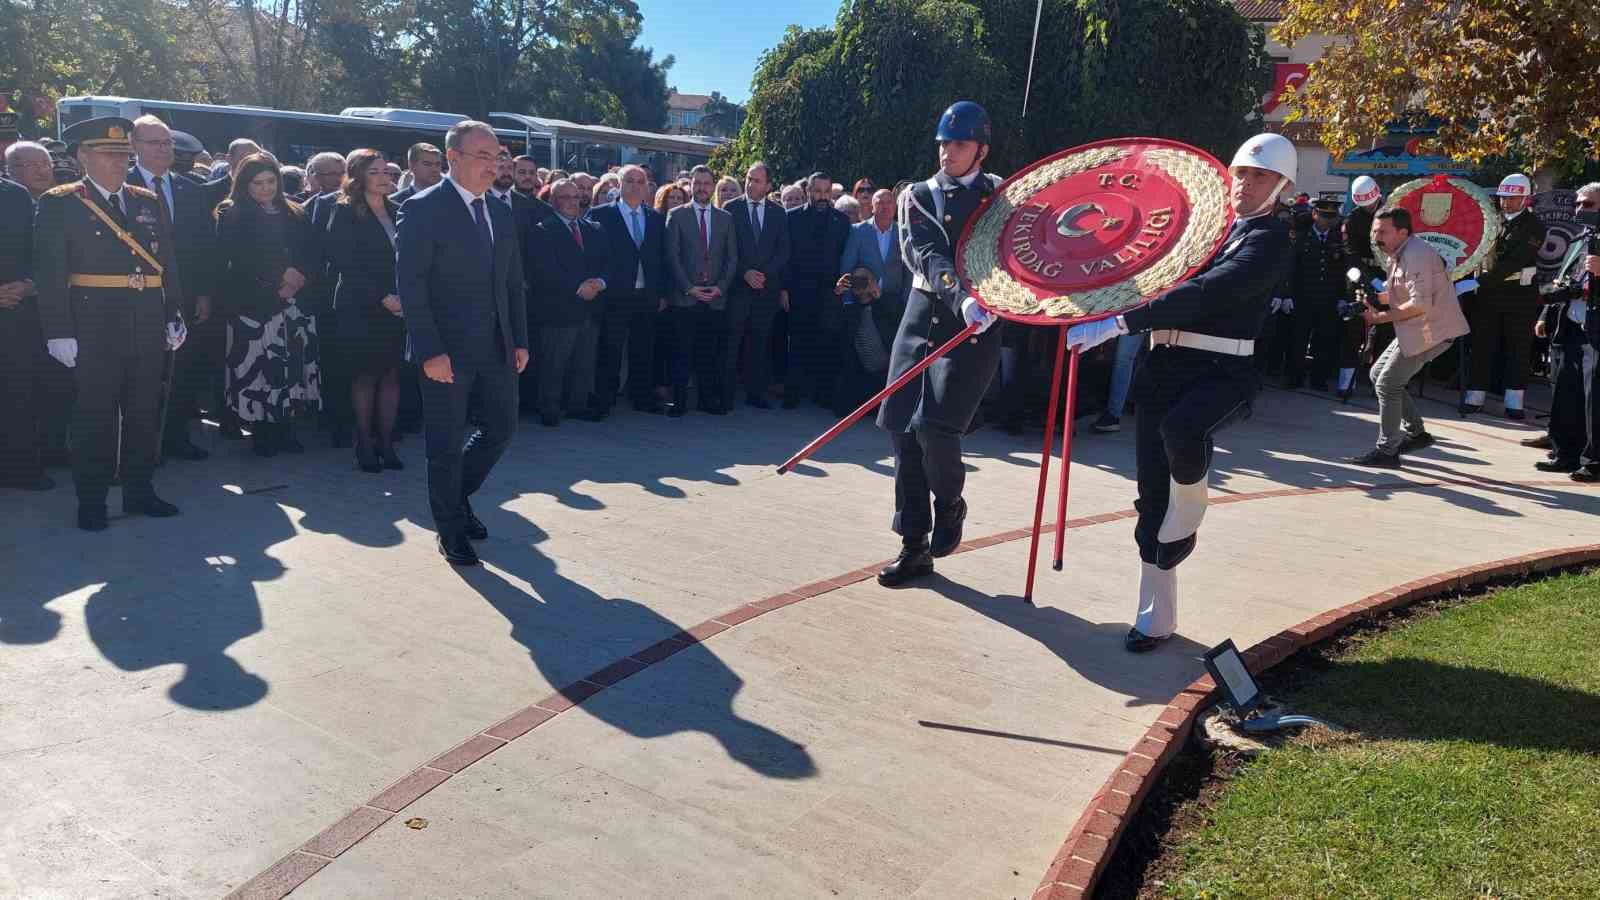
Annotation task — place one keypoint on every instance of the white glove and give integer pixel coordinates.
(65, 350)
(1092, 334)
(1288, 305)
(177, 333)
(974, 314)
(1275, 305)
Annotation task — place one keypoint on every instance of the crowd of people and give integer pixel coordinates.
(692, 294)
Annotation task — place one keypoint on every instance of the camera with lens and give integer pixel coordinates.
(1351, 309)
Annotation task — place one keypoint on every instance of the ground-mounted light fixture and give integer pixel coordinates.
(1240, 691)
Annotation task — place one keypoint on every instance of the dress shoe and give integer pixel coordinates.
(230, 430)
(549, 421)
(1346, 393)
(1516, 415)
(653, 408)
(287, 442)
(152, 506)
(183, 450)
(791, 397)
(264, 439)
(474, 529)
(1106, 424)
(1137, 641)
(1467, 409)
(389, 458)
(38, 482)
(757, 402)
(1541, 442)
(716, 409)
(1587, 475)
(92, 519)
(457, 550)
(1376, 459)
(947, 528)
(1557, 465)
(590, 415)
(676, 410)
(367, 459)
(913, 562)
(1414, 442)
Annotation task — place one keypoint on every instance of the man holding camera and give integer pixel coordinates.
(1426, 316)
(1573, 327)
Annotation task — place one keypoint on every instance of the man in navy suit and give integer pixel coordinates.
(1199, 376)
(458, 271)
(426, 165)
(637, 286)
(761, 231)
(568, 281)
(199, 361)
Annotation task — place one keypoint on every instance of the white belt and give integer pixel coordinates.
(1195, 341)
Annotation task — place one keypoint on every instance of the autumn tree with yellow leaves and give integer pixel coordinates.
(1500, 77)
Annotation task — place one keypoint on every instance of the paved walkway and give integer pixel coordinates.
(186, 702)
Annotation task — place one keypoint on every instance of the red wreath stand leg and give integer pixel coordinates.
(1071, 387)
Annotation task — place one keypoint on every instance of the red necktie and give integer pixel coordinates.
(577, 236)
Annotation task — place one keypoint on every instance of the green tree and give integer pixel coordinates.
(862, 98)
(721, 116)
(1503, 77)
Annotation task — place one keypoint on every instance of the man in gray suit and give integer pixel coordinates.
(763, 239)
(704, 257)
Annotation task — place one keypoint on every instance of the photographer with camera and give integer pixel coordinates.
(1426, 316)
(1573, 327)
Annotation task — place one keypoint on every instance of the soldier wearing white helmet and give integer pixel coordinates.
(1507, 301)
(1199, 376)
(1366, 197)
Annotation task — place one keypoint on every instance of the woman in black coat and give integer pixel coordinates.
(273, 370)
(372, 336)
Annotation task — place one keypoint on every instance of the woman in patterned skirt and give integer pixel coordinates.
(272, 364)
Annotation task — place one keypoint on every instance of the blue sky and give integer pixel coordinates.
(717, 42)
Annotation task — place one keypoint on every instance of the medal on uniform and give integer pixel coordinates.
(1454, 216)
(1096, 229)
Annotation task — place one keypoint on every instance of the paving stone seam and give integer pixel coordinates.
(288, 873)
(1089, 846)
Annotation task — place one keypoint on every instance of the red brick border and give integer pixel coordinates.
(1077, 867)
(288, 873)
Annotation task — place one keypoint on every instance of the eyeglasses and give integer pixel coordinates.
(164, 144)
(484, 157)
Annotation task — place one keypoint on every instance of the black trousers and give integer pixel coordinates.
(1495, 321)
(1184, 397)
(1575, 405)
(108, 382)
(22, 358)
(752, 313)
(193, 368)
(628, 326)
(1314, 323)
(699, 334)
(460, 454)
(814, 319)
(928, 474)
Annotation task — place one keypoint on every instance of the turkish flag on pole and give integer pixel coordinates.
(1286, 79)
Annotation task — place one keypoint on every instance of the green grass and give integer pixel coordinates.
(1473, 769)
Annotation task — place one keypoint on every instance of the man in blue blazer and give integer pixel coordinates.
(875, 243)
(636, 291)
(199, 362)
(458, 270)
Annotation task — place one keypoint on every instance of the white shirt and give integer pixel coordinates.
(503, 197)
(467, 197)
(971, 178)
(106, 195)
(166, 185)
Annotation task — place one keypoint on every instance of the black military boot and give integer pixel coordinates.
(947, 521)
(914, 562)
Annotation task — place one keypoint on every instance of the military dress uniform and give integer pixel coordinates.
(1317, 286)
(927, 418)
(1506, 310)
(104, 270)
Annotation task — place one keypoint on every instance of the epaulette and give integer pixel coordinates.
(62, 190)
(144, 193)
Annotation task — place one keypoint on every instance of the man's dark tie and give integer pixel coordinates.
(480, 214)
(705, 247)
(755, 220)
(577, 236)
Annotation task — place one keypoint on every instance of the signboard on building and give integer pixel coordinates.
(1397, 160)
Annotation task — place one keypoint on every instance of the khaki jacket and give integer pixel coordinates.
(1423, 299)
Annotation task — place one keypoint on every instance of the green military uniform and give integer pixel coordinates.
(105, 275)
(1505, 309)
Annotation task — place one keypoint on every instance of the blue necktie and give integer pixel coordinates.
(638, 229)
(481, 215)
